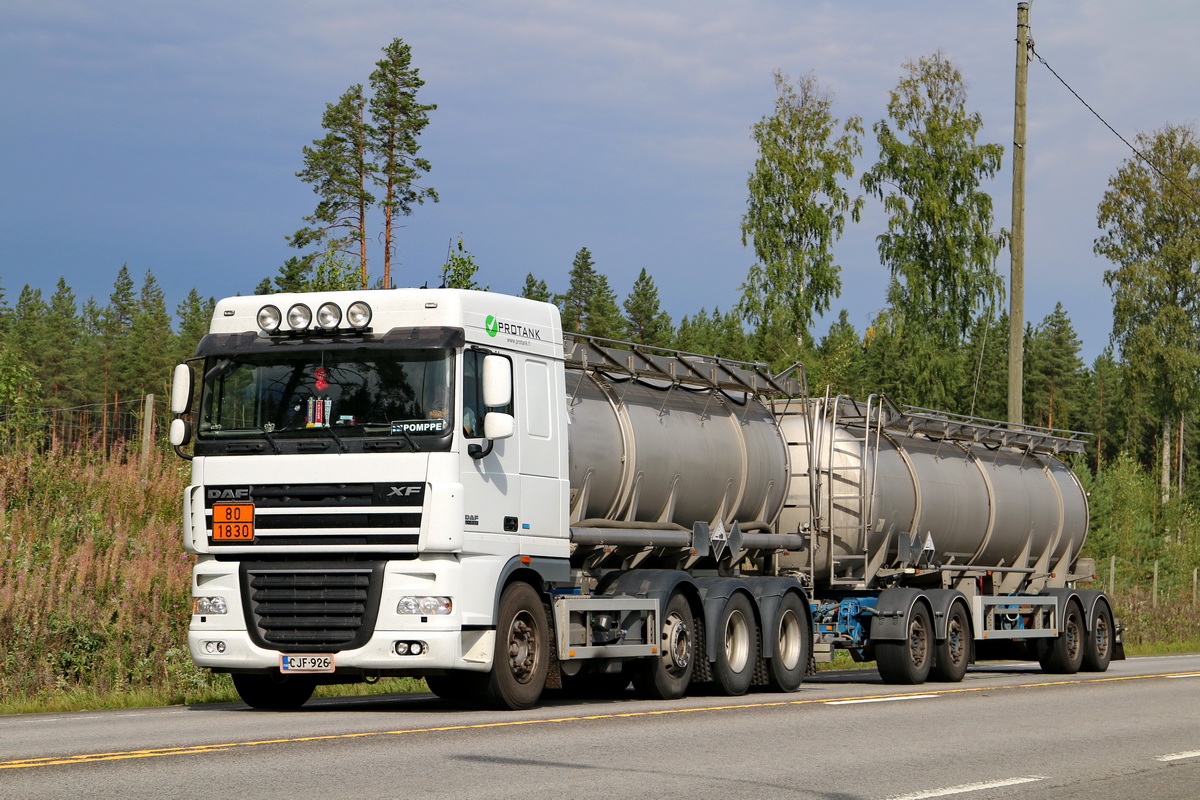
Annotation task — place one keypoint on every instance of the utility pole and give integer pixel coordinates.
(1016, 242)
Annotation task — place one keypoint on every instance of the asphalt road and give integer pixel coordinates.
(1006, 731)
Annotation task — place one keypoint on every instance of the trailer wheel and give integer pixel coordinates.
(952, 654)
(1098, 643)
(737, 646)
(518, 672)
(793, 639)
(274, 692)
(667, 676)
(1063, 655)
(908, 660)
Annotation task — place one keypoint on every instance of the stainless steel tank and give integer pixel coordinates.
(969, 502)
(649, 451)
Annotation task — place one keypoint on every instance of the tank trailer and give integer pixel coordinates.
(439, 483)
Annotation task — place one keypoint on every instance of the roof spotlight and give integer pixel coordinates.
(358, 314)
(299, 317)
(269, 319)
(328, 316)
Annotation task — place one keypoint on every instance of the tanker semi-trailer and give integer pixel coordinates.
(434, 483)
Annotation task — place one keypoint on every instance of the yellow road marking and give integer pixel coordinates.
(200, 749)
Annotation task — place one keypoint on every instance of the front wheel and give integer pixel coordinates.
(950, 660)
(785, 669)
(522, 654)
(274, 692)
(908, 660)
(667, 676)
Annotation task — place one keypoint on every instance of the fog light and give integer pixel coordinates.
(203, 606)
(410, 648)
(401, 648)
(415, 649)
(214, 648)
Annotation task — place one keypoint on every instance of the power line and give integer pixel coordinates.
(1185, 190)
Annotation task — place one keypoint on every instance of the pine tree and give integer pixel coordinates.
(397, 120)
(194, 315)
(1054, 371)
(151, 343)
(59, 361)
(574, 304)
(536, 289)
(837, 360)
(645, 320)
(603, 315)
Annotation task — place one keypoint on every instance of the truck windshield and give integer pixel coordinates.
(343, 393)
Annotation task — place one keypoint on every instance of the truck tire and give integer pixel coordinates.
(1063, 655)
(954, 652)
(667, 676)
(793, 641)
(1098, 644)
(454, 686)
(908, 661)
(737, 646)
(274, 692)
(522, 655)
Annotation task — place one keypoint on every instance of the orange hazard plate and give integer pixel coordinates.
(233, 522)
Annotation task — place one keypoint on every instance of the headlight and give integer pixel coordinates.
(269, 318)
(425, 606)
(328, 315)
(299, 317)
(209, 605)
(358, 314)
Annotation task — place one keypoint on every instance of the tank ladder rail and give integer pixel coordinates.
(595, 354)
(992, 433)
(850, 416)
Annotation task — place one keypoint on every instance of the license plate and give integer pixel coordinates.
(233, 522)
(298, 663)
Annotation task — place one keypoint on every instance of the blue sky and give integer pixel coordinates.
(166, 136)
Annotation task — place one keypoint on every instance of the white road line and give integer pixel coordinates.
(880, 699)
(1189, 675)
(968, 787)
(1180, 756)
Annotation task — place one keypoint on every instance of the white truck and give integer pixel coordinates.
(438, 483)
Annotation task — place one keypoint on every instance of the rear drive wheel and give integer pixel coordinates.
(953, 653)
(667, 676)
(908, 660)
(1063, 655)
(785, 669)
(274, 692)
(1098, 644)
(737, 646)
(522, 655)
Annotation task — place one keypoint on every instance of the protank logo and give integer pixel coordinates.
(495, 327)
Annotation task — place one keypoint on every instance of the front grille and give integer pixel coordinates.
(311, 607)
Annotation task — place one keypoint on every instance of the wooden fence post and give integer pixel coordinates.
(1112, 575)
(147, 429)
(1154, 596)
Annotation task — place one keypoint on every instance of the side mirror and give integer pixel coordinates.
(497, 425)
(181, 389)
(497, 383)
(180, 432)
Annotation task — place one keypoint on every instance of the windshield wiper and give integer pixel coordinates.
(270, 437)
(329, 429)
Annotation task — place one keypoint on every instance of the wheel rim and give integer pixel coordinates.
(523, 647)
(789, 646)
(1101, 636)
(956, 643)
(677, 647)
(918, 642)
(737, 641)
(1072, 637)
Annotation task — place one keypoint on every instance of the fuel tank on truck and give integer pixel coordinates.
(888, 488)
(660, 451)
